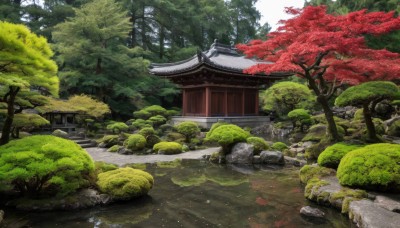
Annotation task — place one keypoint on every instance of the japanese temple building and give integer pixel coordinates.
(214, 87)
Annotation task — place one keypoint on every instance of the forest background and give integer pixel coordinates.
(103, 48)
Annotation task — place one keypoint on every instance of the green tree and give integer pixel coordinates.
(244, 18)
(24, 63)
(364, 95)
(284, 97)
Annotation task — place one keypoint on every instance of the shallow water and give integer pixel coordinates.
(199, 194)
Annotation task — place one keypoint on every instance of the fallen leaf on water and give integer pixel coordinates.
(261, 201)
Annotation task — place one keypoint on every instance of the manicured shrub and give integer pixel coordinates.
(155, 110)
(215, 126)
(300, 118)
(157, 120)
(168, 148)
(188, 129)
(125, 183)
(108, 141)
(375, 166)
(259, 144)
(279, 146)
(170, 113)
(147, 131)
(140, 123)
(228, 135)
(135, 142)
(166, 128)
(117, 127)
(332, 155)
(151, 140)
(141, 114)
(47, 164)
(27, 120)
(175, 137)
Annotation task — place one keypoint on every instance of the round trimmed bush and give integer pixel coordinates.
(332, 155)
(375, 166)
(108, 140)
(279, 146)
(259, 144)
(215, 126)
(125, 183)
(141, 114)
(188, 128)
(140, 123)
(117, 127)
(227, 135)
(147, 131)
(157, 120)
(44, 164)
(135, 142)
(155, 110)
(168, 148)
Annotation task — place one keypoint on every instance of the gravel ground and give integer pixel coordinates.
(101, 154)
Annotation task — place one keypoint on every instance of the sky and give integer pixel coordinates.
(273, 10)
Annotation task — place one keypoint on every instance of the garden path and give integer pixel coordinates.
(101, 154)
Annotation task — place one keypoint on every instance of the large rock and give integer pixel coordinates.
(312, 212)
(294, 161)
(242, 153)
(367, 214)
(272, 157)
(388, 203)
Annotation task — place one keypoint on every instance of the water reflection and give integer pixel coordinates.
(198, 194)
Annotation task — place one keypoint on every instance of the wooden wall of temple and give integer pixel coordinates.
(220, 101)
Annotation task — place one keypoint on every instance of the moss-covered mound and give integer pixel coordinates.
(108, 140)
(279, 146)
(375, 166)
(168, 148)
(259, 144)
(394, 129)
(309, 172)
(332, 155)
(125, 183)
(117, 127)
(135, 142)
(227, 135)
(48, 164)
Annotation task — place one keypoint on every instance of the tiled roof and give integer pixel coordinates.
(220, 56)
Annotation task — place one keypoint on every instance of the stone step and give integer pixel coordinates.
(76, 137)
(82, 141)
(87, 145)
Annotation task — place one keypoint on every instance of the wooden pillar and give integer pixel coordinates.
(226, 102)
(184, 102)
(257, 98)
(243, 96)
(208, 102)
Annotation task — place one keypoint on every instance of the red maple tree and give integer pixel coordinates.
(328, 51)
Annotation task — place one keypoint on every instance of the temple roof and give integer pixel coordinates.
(219, 56)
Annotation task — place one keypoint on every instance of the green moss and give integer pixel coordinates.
(358, 115)
(188, 129)
(152, 140)
(175, 137)
(316, 133)
(228, 135)
(140, 166)
(157, 120)
(61, 165)
(109, 140)
(313, 152)
(170, 164)
(155, 110)
(114, 148)
(28, 120)
(375, 166)
(279, 146)
(141, 114)
(117, 127)
(135, 142)
(332, 155)
(60, 133)
(168, 148)
(125, 183)
(259, 144)
(309, 172)
(215, 126)
(140, 123)
(101, 167)
(313, 184)
(147, 131)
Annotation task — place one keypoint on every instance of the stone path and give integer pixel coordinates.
(101, 154)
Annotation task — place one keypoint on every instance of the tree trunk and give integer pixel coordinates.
(370, 125)
(10, 100)
(329, 118)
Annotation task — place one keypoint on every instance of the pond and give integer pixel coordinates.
(195, 193)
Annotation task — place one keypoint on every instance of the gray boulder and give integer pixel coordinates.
(388, 203)
(272, 157)
(242, 153)
(312, 212)
(124, 150)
